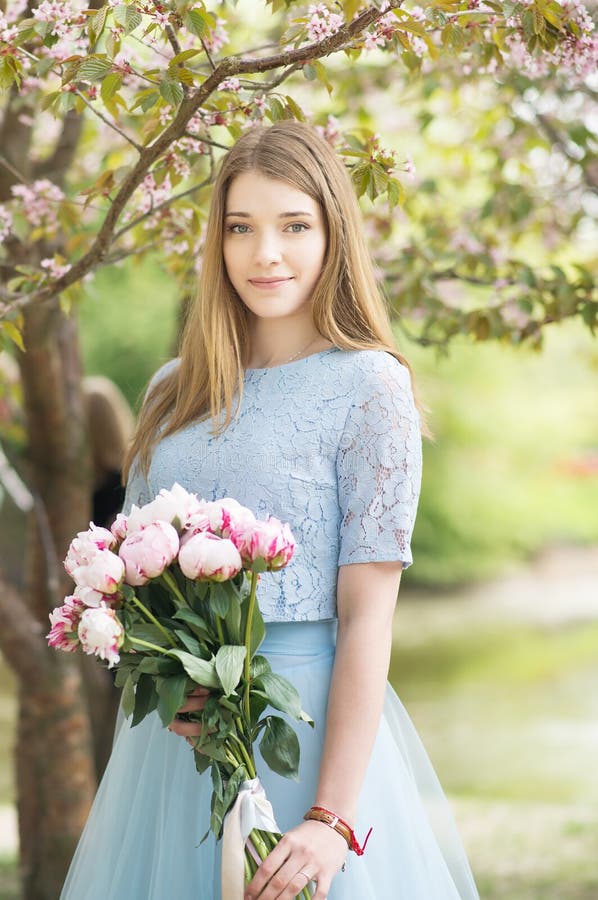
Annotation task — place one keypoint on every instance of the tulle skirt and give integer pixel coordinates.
(142, 838)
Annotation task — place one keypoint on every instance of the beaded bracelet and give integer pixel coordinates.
(320, 814)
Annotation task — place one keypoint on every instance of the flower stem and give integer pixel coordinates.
(151, 617)
(172, 586)
(254, 579)
(149, 646)
(248, 761)
(219, 631)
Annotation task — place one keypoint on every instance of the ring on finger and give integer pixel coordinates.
(309, 877)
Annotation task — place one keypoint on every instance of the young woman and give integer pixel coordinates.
(290, 396)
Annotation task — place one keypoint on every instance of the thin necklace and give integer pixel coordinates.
(300, 353)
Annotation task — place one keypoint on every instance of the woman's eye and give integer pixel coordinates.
(238, 228)
(297, 227)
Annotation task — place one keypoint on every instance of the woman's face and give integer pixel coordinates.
(274, 245)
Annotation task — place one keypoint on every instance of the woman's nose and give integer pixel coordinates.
(267, 249)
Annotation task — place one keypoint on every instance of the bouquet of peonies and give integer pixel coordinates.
(168, 598)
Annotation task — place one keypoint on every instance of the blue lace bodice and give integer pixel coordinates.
(329, 443)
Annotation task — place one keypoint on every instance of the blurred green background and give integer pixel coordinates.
(496, 640)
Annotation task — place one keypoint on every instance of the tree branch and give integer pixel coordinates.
(228, 67)
(165, 203)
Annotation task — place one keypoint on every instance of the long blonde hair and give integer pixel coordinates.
(347, 306)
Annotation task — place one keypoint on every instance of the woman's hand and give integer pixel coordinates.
(310, 852)
(195, 702)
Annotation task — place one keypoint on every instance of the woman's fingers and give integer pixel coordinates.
(185, 729)
(263, 883)
(195, 701)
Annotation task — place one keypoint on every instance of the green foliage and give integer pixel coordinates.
(501, 478)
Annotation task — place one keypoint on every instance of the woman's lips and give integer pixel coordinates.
(268, 283)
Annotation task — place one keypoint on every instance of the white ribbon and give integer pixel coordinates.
(250, 810)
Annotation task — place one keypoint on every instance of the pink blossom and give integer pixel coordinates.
(104, 572)
(101, 634)
(206, 556)
(54, 268)
(270, 541)
(5, 222)
(230, 84)
(217, 38)
(39, 202)
(64, 621)
(148, 552)
(322, 22)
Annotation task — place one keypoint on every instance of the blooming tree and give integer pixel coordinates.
(112, 121)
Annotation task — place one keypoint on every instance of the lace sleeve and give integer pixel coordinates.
(379, 464)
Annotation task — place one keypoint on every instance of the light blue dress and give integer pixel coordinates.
(331, 444)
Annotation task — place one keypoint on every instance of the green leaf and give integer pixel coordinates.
(258, 631)
(171, 91)
(229, 666)
(190, 643)
(295, 109)
(159, 665)
(128, 696)
(199, 670)
(280, 747)
(233, 621)
(97, 24)
(195, 622)
(146, 698)
(219, 599)
(259, 665)
(171, 696)
(14, 334)
(94, 68)
(146, 632)
(110, 86)
(280, 693)
(197, 22)
(129, 17)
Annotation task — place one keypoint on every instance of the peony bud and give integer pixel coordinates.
(270, 541)
(85, 545)
(227, 515)
(101, 634)
(104, 572)
(119, 527)
(206, 556)
(148, 552)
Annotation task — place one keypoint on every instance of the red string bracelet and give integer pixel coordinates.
(320, 814)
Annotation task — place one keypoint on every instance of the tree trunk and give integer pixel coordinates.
(55, 771)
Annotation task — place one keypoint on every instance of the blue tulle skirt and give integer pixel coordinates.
(142, 838)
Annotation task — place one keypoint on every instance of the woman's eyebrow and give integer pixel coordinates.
(285, 215)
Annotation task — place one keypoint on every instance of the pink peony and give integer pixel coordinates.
(103, 572)
(101, 634)
(227, 515)
(176, 506)
(207, 556)
(119, 527)
(64, 620)
(270, 541)
(85, 545)
(148, 552)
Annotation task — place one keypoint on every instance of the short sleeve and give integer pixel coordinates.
(379, 468)
(137, 489)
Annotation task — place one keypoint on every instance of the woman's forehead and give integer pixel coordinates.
(252, 191)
